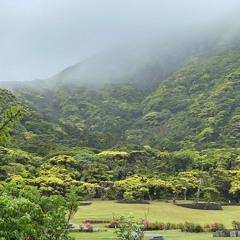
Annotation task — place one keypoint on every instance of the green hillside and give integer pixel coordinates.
(198, 106)
(166, 139)
(193, 104)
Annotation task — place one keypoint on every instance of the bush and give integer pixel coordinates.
(199, 228)
(87, 228)
(185, 227)
(170, 226)
(216, 227)
(192, 227)
(160, 226)
(207, 228)
(155, 226)
(181, 226)
(114, 224)
(126, 228)
(236, 225)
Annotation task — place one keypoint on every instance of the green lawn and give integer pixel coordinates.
(155, 211)
(111, 236)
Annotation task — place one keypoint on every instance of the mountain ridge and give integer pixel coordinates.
(165, 107)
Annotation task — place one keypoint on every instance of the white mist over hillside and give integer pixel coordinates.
(40, 38)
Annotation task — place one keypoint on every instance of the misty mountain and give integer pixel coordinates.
(143, 62)
(182, 94)
(121, 65)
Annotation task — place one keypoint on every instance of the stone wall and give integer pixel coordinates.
(227, 233)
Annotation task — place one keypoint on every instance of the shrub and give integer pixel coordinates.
(216, 227)
(155, 226)
(170, 226)
(181, 226)
(161, 225)
(198, 228)
(89, 227)
(114, 224)
(236, 225)
(188, 227)
(145, 224)
(81, 227)
(192, 227)
(126, 228)
(207, 228)
(185, 227)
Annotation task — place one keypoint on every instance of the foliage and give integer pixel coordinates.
(8, 118)
(196, 227)
(72, 202)
(236, 225)
(25, 214)
(192, 227)
(216, 227)
(128, 229)
(132, 176)
(133, 189)
(20, 219)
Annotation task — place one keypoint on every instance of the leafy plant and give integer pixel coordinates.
(128, 229)
(236, 225)
(7, 118)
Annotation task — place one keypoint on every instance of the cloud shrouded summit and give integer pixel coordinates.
(39, 38)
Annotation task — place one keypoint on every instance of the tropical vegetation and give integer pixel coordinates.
(163, 133)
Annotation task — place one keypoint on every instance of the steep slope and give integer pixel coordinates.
(199, 104)
(143, 65)
(194, 105)
(146, 64)
(32, 132)
(7, 99)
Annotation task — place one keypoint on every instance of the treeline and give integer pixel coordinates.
(132, 175)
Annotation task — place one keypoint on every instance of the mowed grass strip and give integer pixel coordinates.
(194, 238)
(110, 236)
(93, 235)
(156, 211)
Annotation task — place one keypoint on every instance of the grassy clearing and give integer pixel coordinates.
(155, 211)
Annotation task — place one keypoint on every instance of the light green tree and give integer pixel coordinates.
(27, 215)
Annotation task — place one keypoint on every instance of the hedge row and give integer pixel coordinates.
(185, 227)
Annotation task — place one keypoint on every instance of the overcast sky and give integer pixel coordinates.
(39, 38)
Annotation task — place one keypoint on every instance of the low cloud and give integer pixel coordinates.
(41, 37)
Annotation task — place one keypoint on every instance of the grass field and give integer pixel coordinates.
(155, 211)
(110, 236)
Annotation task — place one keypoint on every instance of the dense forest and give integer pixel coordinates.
(169, 129)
